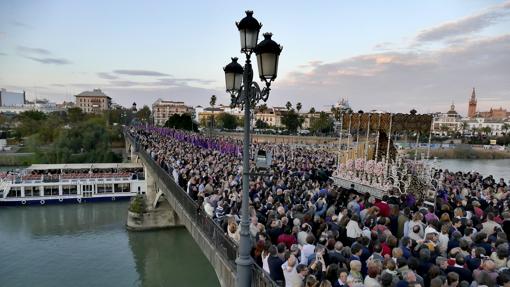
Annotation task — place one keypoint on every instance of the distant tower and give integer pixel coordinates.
(133, 107)
(472, 105)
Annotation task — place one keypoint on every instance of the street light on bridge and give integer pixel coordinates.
(246, 94)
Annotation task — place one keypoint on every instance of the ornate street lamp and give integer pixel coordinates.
(233, 76)
(249, 29)
(246, 94)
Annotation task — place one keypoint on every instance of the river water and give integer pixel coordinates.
(499, 168)
(88, 245)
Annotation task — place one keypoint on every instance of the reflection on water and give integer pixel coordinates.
(499, 168)
(87, 245)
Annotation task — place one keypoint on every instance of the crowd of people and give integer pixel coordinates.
(308, 232)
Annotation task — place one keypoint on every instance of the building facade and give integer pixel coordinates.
(490, 127)
(162, 110)
(94, 101)
(444, 123)
(11, 99)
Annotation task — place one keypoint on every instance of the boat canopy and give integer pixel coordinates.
(78, 166)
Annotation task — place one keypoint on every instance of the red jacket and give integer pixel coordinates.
(384, 208)
(288, 239)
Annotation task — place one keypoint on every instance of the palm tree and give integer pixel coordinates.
(505, 127)
(444, 128)
(312, 110)
(288, 105)
(212, 103)
(464, 127)
(298, 107)
(487, 130)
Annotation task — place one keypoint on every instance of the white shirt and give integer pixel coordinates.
(306, 251)
(292, 278)
(353, 230)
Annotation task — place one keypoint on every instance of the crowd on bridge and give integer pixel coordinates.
(308, 232)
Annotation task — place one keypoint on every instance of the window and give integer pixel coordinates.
(14, 192)
(50, 190)
(104, 188)
(121, 187)
(69, 189)
(31, 191)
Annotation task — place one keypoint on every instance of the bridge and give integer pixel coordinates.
(181, 210)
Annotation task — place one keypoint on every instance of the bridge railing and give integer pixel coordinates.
(227, 247)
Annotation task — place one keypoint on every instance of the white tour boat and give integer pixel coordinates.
(42, 184)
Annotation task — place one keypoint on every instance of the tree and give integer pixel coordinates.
(336, 112)
(487, 130)
(144, 114)
(299, 107)
(464, 126)
(505, 127)
(181, 122)
(444, 128)
(312, 110)
(288, 105)
(322, 124)
(75, 115)
(260, 124)
(29, 123)
(212, 102)
(291, 120)
(262, 108)
(227, 121)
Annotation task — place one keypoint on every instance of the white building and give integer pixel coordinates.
(444, 123)
(11, 99)
(478, 125)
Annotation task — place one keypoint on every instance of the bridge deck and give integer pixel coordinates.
(220, 250)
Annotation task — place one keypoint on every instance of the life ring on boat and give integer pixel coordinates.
(113, 198)
(23, 202)
(42, 202)
(60, 199)
(79, 200)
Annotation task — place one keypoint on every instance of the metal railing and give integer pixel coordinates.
(214, 233)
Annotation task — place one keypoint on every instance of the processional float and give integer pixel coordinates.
(368, 157)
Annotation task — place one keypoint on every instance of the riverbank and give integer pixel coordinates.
(463, 153)
(17, 159)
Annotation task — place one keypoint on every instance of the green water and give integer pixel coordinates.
(88, 245)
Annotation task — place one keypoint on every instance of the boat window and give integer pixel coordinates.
(50, 190)
(31, 191)
(14, 192)
(69, 189)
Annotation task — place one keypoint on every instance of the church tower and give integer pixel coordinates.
(472, 105)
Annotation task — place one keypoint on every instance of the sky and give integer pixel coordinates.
(385, 55)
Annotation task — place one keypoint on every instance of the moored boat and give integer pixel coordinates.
(43, 184)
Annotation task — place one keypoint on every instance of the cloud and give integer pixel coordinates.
(54, 61)
(399, 81)
(107, 76)
(21, 24)
(3, 54)
(41, 56)
(140, 73)
(29, 50)
(466, 25)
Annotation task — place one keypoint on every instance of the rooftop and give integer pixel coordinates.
(93, 93)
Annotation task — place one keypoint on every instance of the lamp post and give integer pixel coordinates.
(246, 94)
